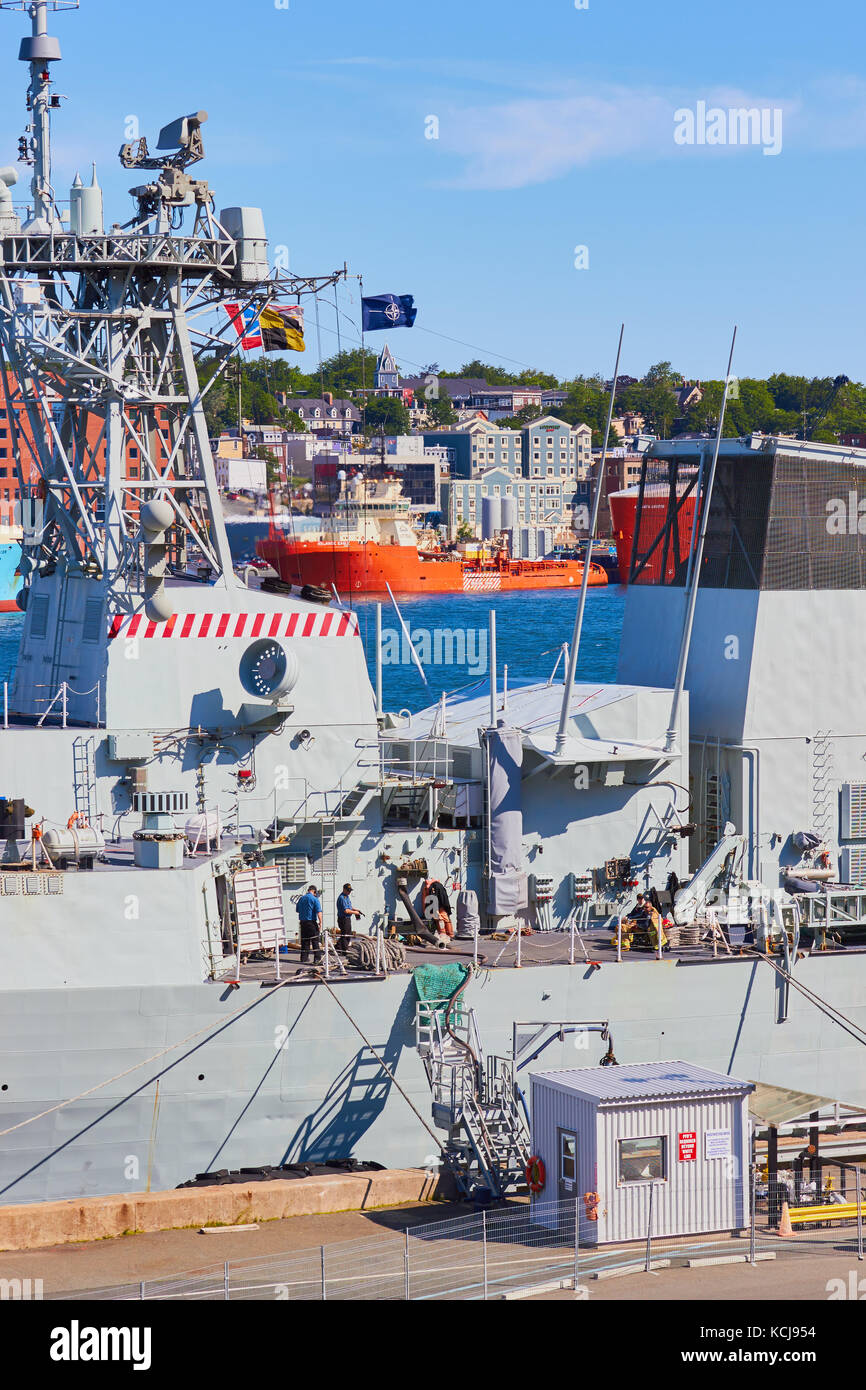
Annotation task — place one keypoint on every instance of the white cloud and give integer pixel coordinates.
(533, 139)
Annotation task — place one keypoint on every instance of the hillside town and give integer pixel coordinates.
(503, 442)
(458, 446)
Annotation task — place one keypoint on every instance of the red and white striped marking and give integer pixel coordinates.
(250, 625)
(481, 583)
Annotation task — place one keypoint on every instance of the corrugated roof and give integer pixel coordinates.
(643, 1081)
(777, 1105)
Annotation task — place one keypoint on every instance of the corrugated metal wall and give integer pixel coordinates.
(550, 1110)
(701, 1195)
(697, 1196)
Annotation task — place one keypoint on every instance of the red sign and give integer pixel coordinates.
(688, 1146)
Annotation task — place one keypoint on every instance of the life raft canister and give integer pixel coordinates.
(535, 1174)
(591, 1201)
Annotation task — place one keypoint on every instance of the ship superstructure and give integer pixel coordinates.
(168, 739)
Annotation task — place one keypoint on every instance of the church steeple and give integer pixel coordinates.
(387, 377)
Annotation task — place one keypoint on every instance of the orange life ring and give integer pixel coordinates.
(535, 1174)
(591, 1201)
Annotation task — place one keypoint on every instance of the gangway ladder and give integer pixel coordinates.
(822, 784)
(83, 778)
(328, 870)
(473, 1100)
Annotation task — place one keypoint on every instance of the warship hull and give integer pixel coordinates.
(214, 1078)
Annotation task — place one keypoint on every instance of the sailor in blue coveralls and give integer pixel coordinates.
(345, 913)
(310, 919)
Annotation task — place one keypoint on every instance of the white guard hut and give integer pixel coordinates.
(619, 1131)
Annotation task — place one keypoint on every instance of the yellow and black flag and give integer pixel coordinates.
(282, 328)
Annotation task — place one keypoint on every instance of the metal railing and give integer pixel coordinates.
(517, 1250)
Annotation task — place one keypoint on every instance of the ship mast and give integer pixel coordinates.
(103, 333)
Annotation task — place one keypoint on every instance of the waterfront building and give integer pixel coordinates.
(326, 415)
(544, 506)
(544, 448)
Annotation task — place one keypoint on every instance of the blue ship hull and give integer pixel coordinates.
(10, 580)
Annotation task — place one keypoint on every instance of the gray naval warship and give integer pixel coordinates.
(181, 755)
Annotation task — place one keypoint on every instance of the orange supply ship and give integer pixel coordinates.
(370, 546)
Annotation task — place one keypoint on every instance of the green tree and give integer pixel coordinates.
(523, 417)
(662, 374)
(496, 376)
(441, 410)
(344, 373)
(585, 404)
(385, 415)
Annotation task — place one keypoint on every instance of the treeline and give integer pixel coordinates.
(817, 408)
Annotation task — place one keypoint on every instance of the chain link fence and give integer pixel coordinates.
(526, 1247)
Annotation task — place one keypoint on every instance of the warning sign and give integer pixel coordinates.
(688, 1146)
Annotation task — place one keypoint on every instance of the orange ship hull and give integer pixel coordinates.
(371, 568)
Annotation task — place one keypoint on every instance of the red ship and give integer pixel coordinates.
(654, 512)
(370, 547)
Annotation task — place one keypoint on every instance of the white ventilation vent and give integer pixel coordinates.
(854, 865)
(294, 870)
(152, 803)
(39, 617)
(853, 811)
(92, 628)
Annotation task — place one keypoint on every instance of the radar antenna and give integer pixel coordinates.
(174, 188)
(34, 147)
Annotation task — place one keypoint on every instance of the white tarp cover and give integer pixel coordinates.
(507, 887)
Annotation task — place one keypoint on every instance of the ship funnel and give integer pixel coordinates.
(9, 223)
(156, 517)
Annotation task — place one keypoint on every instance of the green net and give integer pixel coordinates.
(436, 983)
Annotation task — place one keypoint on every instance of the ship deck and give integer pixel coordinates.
(539, 949)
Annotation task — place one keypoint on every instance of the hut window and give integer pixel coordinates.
(642, 1160)
(567, 1157)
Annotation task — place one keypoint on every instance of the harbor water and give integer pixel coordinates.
(449, 633)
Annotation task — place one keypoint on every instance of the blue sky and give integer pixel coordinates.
(555, 130)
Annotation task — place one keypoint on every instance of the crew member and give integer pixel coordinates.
(310, 920)
(345, 913)
(655, 928)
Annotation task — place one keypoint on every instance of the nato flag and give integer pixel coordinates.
(388, 311)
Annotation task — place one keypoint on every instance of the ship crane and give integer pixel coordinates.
(690, 901)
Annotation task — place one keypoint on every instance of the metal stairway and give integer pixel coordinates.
(354, 802)
(474, 1100)
(407, 803)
